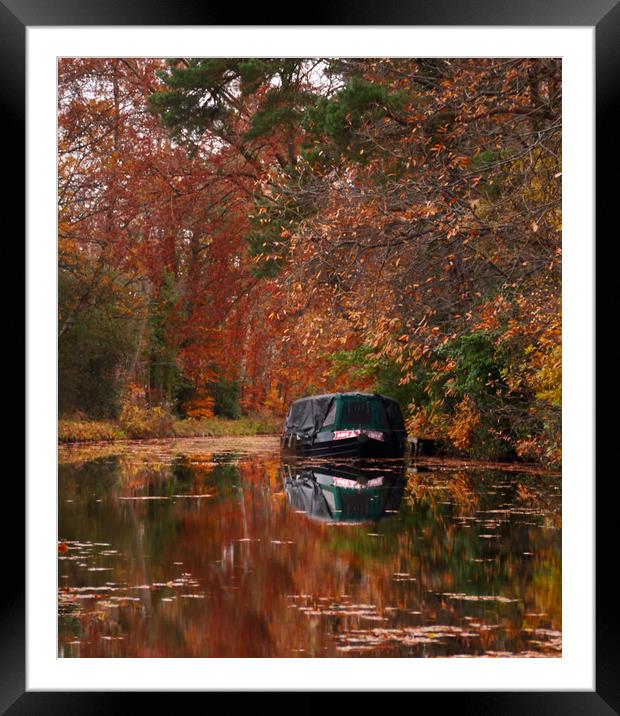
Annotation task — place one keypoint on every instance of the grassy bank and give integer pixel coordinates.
(72, 430)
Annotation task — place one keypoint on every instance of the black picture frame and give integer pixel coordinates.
(604, 15)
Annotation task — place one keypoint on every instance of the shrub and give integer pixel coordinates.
(77, 429)
(139, 420)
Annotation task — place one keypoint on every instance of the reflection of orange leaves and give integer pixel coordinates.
(62, 547)
(524, 494)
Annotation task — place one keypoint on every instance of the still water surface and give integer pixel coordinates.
(213, 548)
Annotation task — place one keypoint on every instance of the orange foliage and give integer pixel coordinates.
(199, 406)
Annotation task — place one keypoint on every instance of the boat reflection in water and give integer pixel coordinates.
(345, 493)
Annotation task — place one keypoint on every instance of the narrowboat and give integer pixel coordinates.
(344, 425)
(334, 493)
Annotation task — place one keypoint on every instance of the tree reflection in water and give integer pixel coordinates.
(218, 554)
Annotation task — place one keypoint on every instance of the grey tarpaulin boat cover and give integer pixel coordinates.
(394, 414)
(305, 494)
(306, 415)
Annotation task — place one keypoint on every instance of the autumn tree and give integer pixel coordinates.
(412, 231)
(143, 229)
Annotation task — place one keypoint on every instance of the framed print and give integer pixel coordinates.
(239, 267)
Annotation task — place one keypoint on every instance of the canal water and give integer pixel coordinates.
(214, 548)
